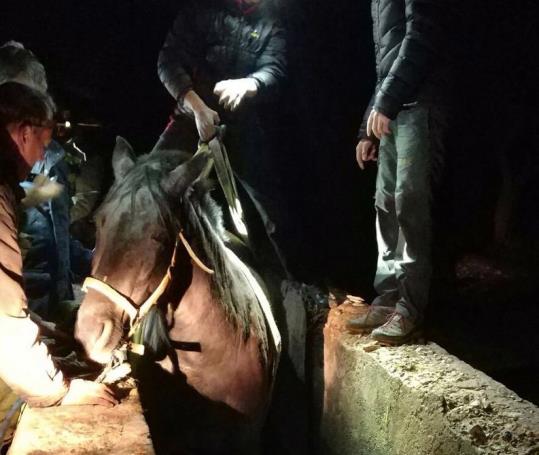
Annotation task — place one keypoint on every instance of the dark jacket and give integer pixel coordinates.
(48, 259)
(406, 40)
(212, 41)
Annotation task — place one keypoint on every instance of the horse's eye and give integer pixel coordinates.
(158, 237)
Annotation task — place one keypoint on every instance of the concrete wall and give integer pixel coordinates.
(79, 430)
(414, 400)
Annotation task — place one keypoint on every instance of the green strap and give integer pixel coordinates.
(226, 178)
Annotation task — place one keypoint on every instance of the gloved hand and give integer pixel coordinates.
(232, 92)
(206, 119)
(366, 150)
(41, 190)
(88, 392)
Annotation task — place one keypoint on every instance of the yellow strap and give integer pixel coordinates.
(193, 255)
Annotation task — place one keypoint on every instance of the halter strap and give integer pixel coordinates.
(137, 314)
(112, 294)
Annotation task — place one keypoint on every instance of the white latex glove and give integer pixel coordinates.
(88, 392)
(232, 92)
(41, 190)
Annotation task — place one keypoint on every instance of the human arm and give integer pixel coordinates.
(414, 60)
(269, 73)
(374, 124)
(181, 52)
(27, 368)
(25, 364)
(178, 59)
(271, 65)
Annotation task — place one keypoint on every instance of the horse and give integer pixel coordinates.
(163, 265)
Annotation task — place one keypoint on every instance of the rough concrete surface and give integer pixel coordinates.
(415, 400)
(84, 430)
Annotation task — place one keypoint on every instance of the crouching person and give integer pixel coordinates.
(25, 364)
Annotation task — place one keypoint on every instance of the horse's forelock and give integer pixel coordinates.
(147, 174)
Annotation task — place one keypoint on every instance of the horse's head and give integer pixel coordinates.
(136, 229)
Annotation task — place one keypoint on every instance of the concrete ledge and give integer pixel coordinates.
(415, 400)
(86, 430)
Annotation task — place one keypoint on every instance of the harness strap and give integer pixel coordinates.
(193, 255)
(137, 314)
(112, 294)
(226, 178)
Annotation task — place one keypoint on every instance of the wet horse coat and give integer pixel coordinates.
(217, 359)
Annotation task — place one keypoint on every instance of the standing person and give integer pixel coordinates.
(223, 61)
(25, 365)
(396, 132)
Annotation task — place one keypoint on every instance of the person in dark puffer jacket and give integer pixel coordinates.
(224, 61)
(396, 133)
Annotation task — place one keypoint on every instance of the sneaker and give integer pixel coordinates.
(396, 331)
(366, 322)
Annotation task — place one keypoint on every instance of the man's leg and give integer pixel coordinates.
(412, 206)
(387, 230)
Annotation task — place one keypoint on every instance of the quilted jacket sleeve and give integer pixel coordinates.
(181, 51)
(271, 64)
(25, 365)
(416, 54)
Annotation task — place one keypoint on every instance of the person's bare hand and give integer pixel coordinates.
(88, 392)
(233, 92)
(206, 120)
(378, 124)
(366, 150)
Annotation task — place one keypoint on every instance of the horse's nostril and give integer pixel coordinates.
(104, 337)
(98, 351)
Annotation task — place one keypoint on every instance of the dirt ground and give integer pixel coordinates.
(488, 318)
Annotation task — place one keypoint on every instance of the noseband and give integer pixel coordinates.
(137, 313)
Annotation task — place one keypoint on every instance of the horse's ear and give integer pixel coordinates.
(123, 158)
(179, 179)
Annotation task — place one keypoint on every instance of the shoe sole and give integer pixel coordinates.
(362, 331)
(416, 336)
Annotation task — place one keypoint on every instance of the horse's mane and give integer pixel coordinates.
(202, 222)
(206, 229)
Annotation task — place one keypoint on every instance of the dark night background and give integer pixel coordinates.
(101, 61)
